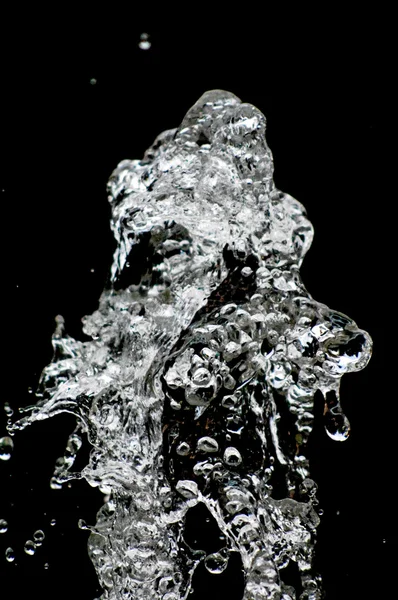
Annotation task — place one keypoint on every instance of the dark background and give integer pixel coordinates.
(324, 82)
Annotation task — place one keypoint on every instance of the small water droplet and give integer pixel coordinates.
(216, 563)
(183, 449)
(8, 410)
(30, 547)
(46, 565)
(38, 537)
(54, 484)
(93, 81)
(3, 526)
(10, 556)
(53, 522)
(207, 444)
(144, 42)
(232, 456)
(6, 448)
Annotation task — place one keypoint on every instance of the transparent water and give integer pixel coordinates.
(197, 385)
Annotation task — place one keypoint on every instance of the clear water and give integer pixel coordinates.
(197, 385)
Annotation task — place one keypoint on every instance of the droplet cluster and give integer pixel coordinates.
(206, 352)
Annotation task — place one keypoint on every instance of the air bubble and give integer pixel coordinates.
(187, 488)
(6, 448)
(232, 457)
(183, 449)
(207, 444)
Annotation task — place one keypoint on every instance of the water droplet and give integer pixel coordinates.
(55, 484)
(46, 565)
(10, 556)
(232, 456)
(216, 563)
(53, 522)
(30, 547)
(337, 426)
(38, 537)
(3, 526)
(93, 81)
(187, 488)
(8, 410)
(6, 448)
(183, 449)
(207, 444)
(144, 42)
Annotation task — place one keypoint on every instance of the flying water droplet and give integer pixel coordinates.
(3, 526)
(216, 563)
(10, 556)
(30, 547)
(6, 448)
(232, 457)
(144, 42)
(38, 537)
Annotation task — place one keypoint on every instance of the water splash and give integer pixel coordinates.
(206, 353)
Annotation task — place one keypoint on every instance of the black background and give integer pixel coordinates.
(324, 82)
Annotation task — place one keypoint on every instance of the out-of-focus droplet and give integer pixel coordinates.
(8, 410)
(93, 81)
(6, 448)
(30, 547)
(38, 537)
(54, 484)
(46, 566)
(53, 522)
(3, 526)
(10, 556)
(144, 42)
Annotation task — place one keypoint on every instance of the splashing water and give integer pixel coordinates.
(206, 352)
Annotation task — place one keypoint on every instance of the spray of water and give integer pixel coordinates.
(205, 354)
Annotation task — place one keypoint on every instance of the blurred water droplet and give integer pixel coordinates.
(46, 566)
(144, 42)
(30, 547)
(8, 410)
(53, 522)
(10, 556)
(93, 81)
(6, 448)
(3, 526)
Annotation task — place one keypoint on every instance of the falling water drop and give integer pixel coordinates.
(38, 537)
(144, 42)
(10, 556)
(3, 526)
(6, 448)
(216, 563)
(30, 547)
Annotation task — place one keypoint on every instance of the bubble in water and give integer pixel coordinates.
(232, 456)
(6, 448)
(30, 547)
(144, 42)
(38, 537)
(10, 556)
(3, 526)
(187, 488)
(216, 563)
(207, 444)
